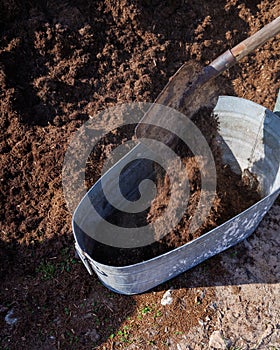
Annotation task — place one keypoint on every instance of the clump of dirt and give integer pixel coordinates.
(234, 194)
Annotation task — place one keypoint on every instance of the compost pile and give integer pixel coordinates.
(234, 194)
(61, 62)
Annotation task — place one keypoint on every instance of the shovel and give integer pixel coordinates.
(190, 88)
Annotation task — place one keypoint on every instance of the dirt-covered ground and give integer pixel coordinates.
(61, 62)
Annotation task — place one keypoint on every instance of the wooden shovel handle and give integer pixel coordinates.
(259, 38)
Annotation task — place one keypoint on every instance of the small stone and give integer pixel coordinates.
(94, 336)
(182, 346)
(217, 341)
(202, 294)
(201, 322)
(213, 306)
(167, 298)
(10, 319)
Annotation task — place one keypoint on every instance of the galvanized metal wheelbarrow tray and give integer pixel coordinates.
(250, 139)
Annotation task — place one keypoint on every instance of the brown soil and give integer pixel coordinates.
(60, 63)
(234, 192)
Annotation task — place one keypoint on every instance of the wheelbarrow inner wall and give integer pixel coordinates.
(249, 137)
